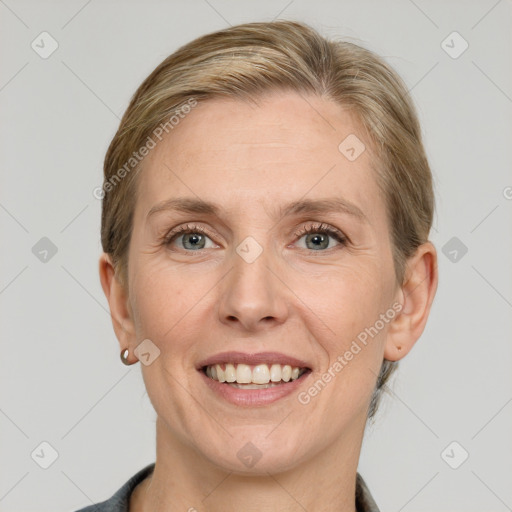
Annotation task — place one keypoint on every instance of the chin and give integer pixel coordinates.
(258, 454)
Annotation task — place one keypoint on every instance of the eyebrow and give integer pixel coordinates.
(303, 206)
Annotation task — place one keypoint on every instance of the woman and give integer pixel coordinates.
(266, 211)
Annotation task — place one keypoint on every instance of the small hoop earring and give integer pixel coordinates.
(124, 357)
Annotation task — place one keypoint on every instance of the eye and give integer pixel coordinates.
(317, 236)
(193, 237)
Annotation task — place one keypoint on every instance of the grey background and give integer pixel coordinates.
(62, 381)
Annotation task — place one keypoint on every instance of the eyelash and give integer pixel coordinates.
(322, 228)
(313, 228)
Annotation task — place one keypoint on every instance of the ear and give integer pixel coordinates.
(117, 297)
(416, 295)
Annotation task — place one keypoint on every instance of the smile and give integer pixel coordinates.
(251, 386)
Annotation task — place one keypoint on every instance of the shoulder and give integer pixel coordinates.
(119, 501)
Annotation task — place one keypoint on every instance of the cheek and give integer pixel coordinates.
(348, 298)
(166, 297)
(158, 301)
(352, 317)
(350, 306)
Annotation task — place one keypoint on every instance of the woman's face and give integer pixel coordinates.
(254, 281)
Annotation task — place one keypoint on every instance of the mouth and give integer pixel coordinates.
(249, 379)
(260, 376)
(249, 386)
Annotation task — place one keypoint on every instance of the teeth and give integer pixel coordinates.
(259, 374)
(230, 373)
(243, 374)
(275, 373)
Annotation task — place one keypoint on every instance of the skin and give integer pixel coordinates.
(312, 304)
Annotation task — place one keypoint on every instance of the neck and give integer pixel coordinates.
(184, 481)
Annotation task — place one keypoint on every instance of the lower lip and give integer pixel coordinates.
(253, 397)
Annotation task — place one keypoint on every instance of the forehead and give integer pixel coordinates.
(241, 154)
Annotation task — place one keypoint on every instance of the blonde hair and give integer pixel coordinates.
(246, 61)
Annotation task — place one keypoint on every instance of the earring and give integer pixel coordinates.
(124, 357)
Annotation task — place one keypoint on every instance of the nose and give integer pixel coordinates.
(253, 297)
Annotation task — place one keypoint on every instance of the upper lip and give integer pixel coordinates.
(253, 359)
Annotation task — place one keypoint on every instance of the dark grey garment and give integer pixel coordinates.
(120, 501)
(364, 500)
